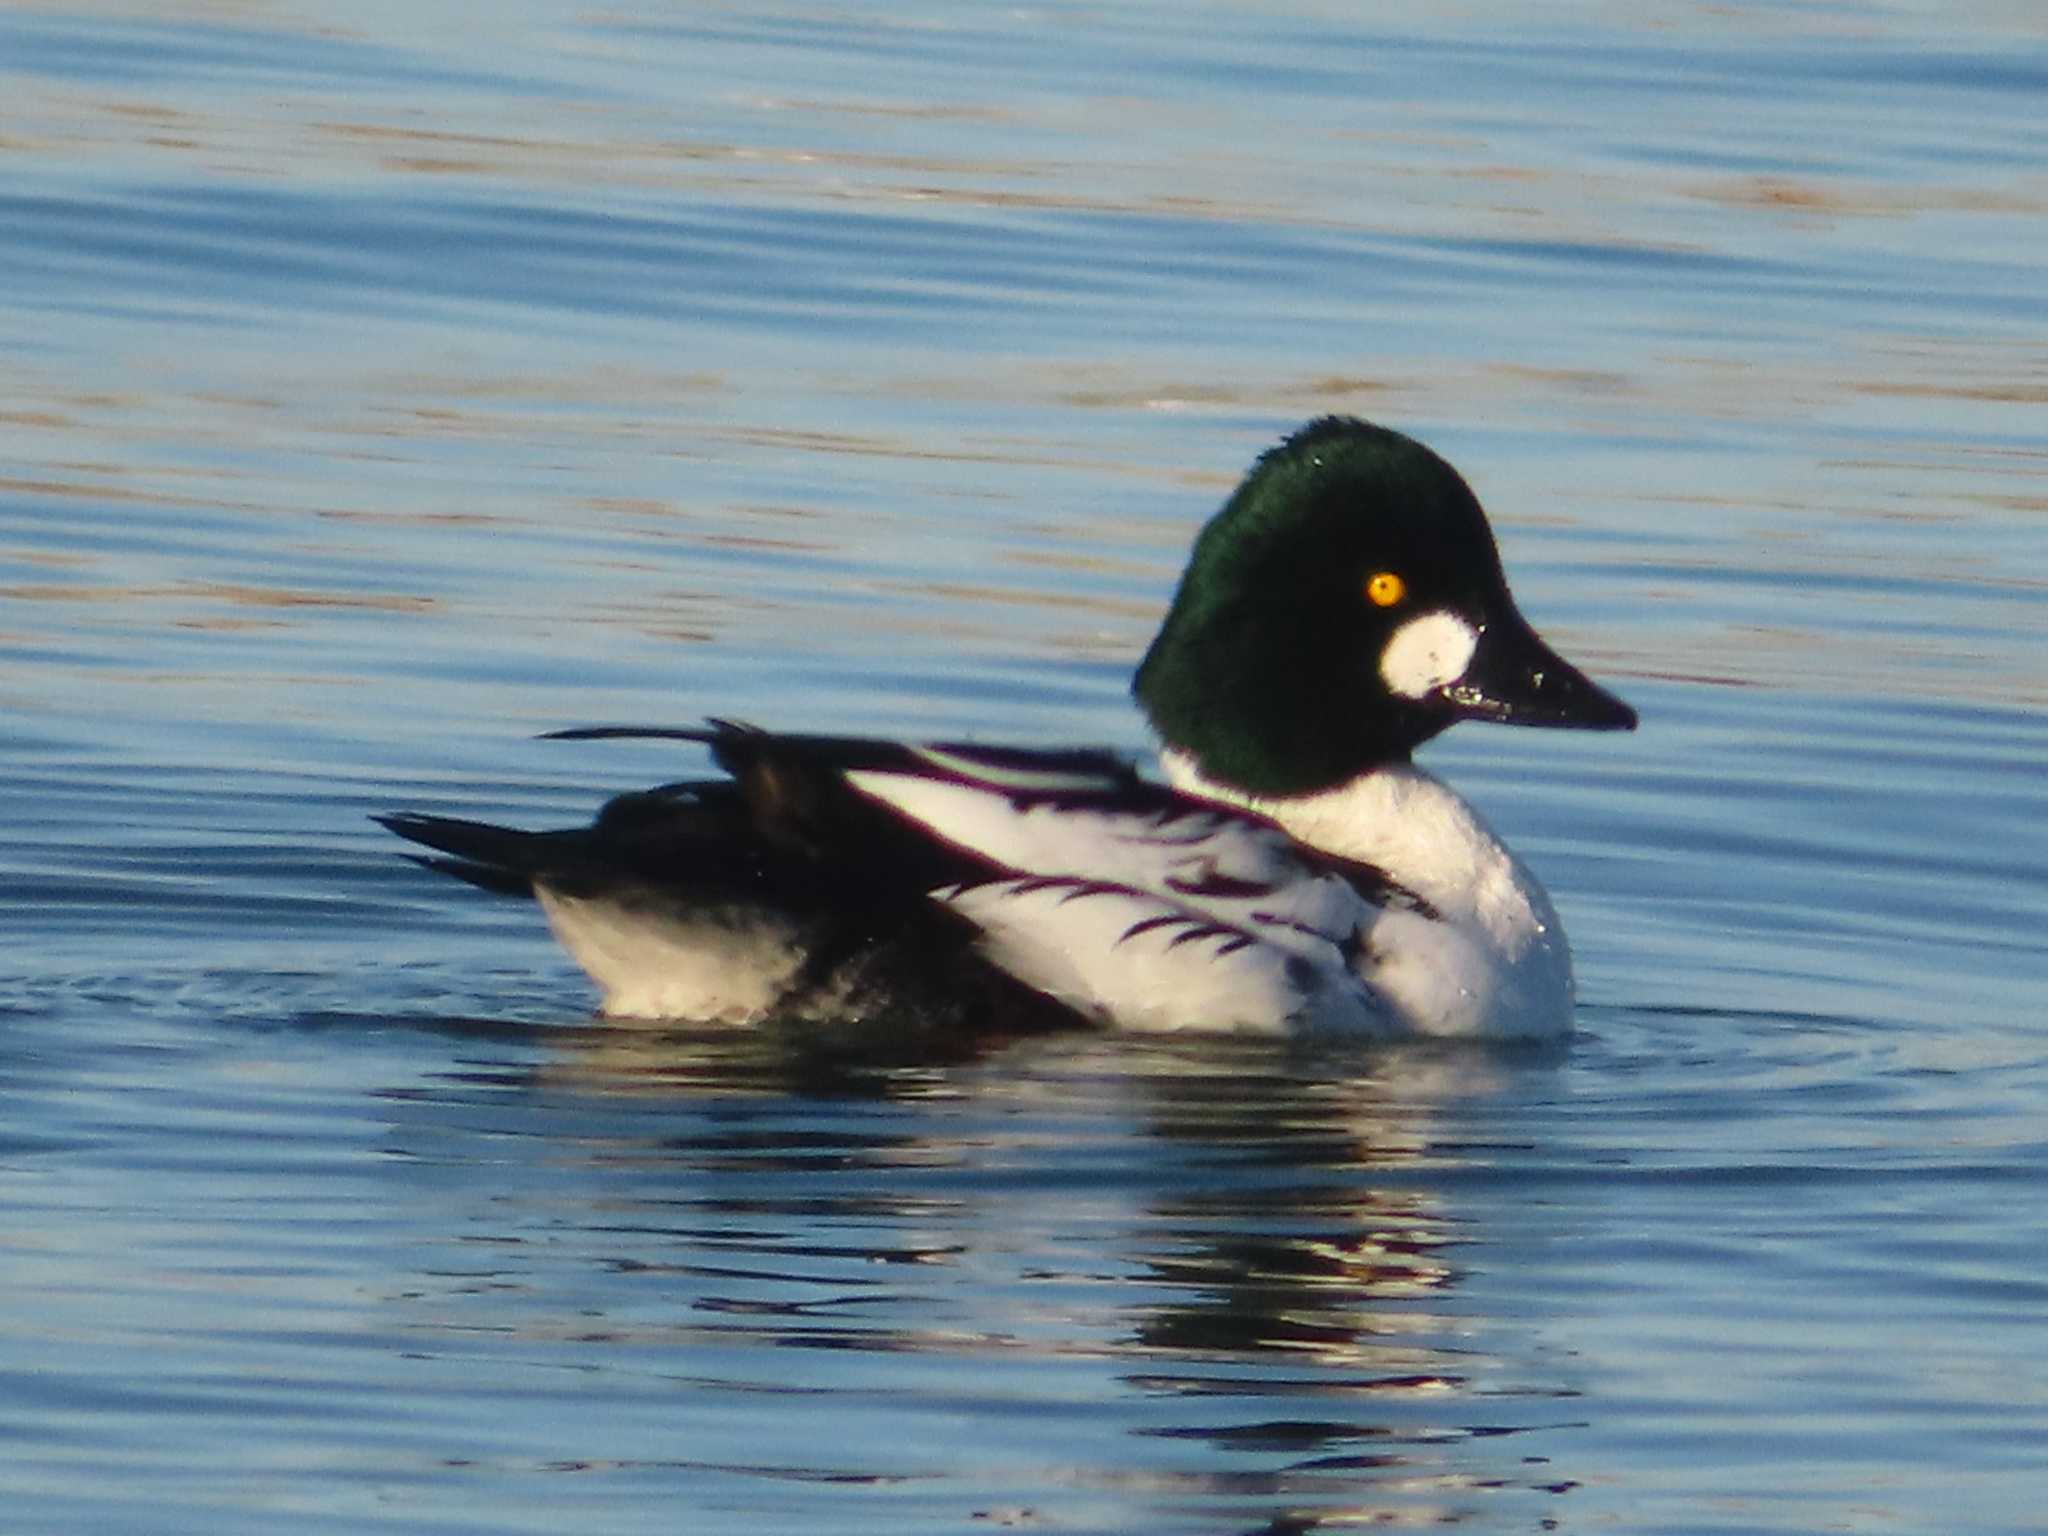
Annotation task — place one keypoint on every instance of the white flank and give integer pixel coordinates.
(659, 960)
(1427, 652)
(1140, 962)
(1120, 934)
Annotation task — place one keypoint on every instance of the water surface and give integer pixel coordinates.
(383, 388)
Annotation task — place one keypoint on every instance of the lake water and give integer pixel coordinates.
(383, 385)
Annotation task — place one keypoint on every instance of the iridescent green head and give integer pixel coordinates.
(1346, 605)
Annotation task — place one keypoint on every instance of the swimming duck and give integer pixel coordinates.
(1296, 873)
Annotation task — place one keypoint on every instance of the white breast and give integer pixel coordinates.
(1489, 958)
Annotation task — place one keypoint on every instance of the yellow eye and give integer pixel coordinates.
(1385, 589)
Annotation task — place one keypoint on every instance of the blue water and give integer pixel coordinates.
(384, 385)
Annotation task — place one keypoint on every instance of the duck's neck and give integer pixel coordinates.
(1410, 824)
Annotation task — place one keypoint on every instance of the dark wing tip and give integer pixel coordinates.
(632, 733)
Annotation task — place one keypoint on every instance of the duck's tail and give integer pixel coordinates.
(492, 858)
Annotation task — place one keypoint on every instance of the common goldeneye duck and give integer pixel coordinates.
(1298, 873)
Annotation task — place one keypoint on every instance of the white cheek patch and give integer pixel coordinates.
(1429, 651)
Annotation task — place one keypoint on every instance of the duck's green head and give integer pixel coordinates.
(1346, 605)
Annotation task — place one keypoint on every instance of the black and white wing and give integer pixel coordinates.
(1137, 905)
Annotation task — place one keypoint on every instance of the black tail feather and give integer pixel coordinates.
(485, 877)
(494, 858)
(697, 733)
